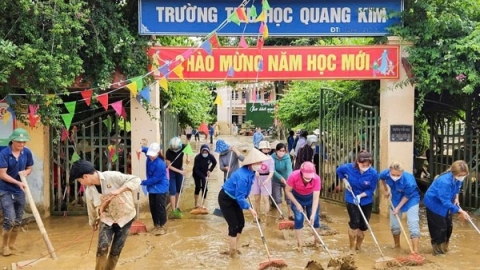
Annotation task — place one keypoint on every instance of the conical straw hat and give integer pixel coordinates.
(254, 156)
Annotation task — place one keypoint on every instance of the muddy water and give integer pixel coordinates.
(195, 242)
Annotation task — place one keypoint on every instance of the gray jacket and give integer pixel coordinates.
(224, 159)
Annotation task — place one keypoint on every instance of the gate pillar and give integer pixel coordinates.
(144, 127)
(397, 107)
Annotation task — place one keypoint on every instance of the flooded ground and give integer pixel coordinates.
(195, 242)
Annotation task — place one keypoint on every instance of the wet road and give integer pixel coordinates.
(195, 242)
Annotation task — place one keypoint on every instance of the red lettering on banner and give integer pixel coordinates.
(286, 63)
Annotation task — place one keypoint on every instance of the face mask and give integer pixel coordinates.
(266, 153)
(205, 155)
(364, 169)
(280, 154)
(460, 178)
(256, 167)
(395, 178)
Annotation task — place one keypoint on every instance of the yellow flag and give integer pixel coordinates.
(6, 116)
(218, 101)
(163, 83)
(265, 31)
(133, 88)
(178, 70)
(261, 17)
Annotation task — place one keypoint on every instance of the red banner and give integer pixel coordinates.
(278, 63)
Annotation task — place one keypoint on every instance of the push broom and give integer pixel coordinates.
(284, 224)
(413, 259)
(201, 210)
(137, 226)
(383, 262)
(270, 262)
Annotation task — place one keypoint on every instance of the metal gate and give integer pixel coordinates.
(168, 126)
(102, 139)
(346, 128)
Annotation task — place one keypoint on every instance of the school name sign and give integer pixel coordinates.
(281, 63)
(285, 17)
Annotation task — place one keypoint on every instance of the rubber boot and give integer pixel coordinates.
(360, 237)
(6, 244)
(415, 244)
(352, 236)
(112, 262)
(396, 241)
(101, 262)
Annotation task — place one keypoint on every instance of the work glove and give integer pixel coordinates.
(357, 199)
(347, 185)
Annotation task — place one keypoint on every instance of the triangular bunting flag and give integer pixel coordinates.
(265, 32)
(207, 47)
(241, 14)
(70, 106)
(145, 94)
(75, 157)
(6, 117)
(124, 125)
(243, 43)
(10, 100)
(261, 17)
(234, 18)
(32, 109)
(87, 96)
(178, 70)
(163, 83)
(103, 99)
(188, 150)
(165, 69)
(67, 119)
(261, 28)
(108, 123)
(186, 55)
(64, 134)
(265, 5)
(253, 12)
(230, 72)
(218, 101)
(135, 84)
(117, 106)
(124, 113)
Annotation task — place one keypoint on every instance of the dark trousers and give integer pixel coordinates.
(440, 227)
(158, 209)
(200, 185)
(197, 137)
(112, 235)
(232, 213)
(211, 138)
(356, 219)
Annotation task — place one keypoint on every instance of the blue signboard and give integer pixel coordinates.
(285, 18)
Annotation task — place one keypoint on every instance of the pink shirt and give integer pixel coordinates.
(295, 181)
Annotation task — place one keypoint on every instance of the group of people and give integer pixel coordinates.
(261, 173)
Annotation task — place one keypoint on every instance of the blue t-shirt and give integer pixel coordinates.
(157, 180)
(441, 194)
(360, 182)
(13, 166)
(239, 185)
(406, 186)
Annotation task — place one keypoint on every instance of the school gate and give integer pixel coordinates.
(345, 127)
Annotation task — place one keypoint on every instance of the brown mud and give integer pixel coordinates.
(195, 241)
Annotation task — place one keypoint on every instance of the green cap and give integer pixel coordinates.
(19, 135)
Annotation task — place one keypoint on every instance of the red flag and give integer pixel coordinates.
(214, 41)
(32, 109)
(124, 113)
(103, 99)
(32, 119)
(87, 96)
(64, 134)
(241, 14)
(260, 43)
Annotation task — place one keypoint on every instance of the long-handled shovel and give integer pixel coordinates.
(201, 210)
(270, 262)
(383, 262)
(284, 224)
(413, 258)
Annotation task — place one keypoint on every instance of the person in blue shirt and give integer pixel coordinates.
(257, 137)
(16, 160)
(157, 185)
(233, 197)
(441, 201)
(211, 132)
(402, 188)
(360, 179)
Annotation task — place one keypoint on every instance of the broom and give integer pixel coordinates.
(201, 210)
(137, 226)
(413, 259)
(284, 224)
(270, 262)
(383, 262)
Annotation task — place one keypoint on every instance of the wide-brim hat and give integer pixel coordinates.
(254, 156)
(316, 131)
(264, 145)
